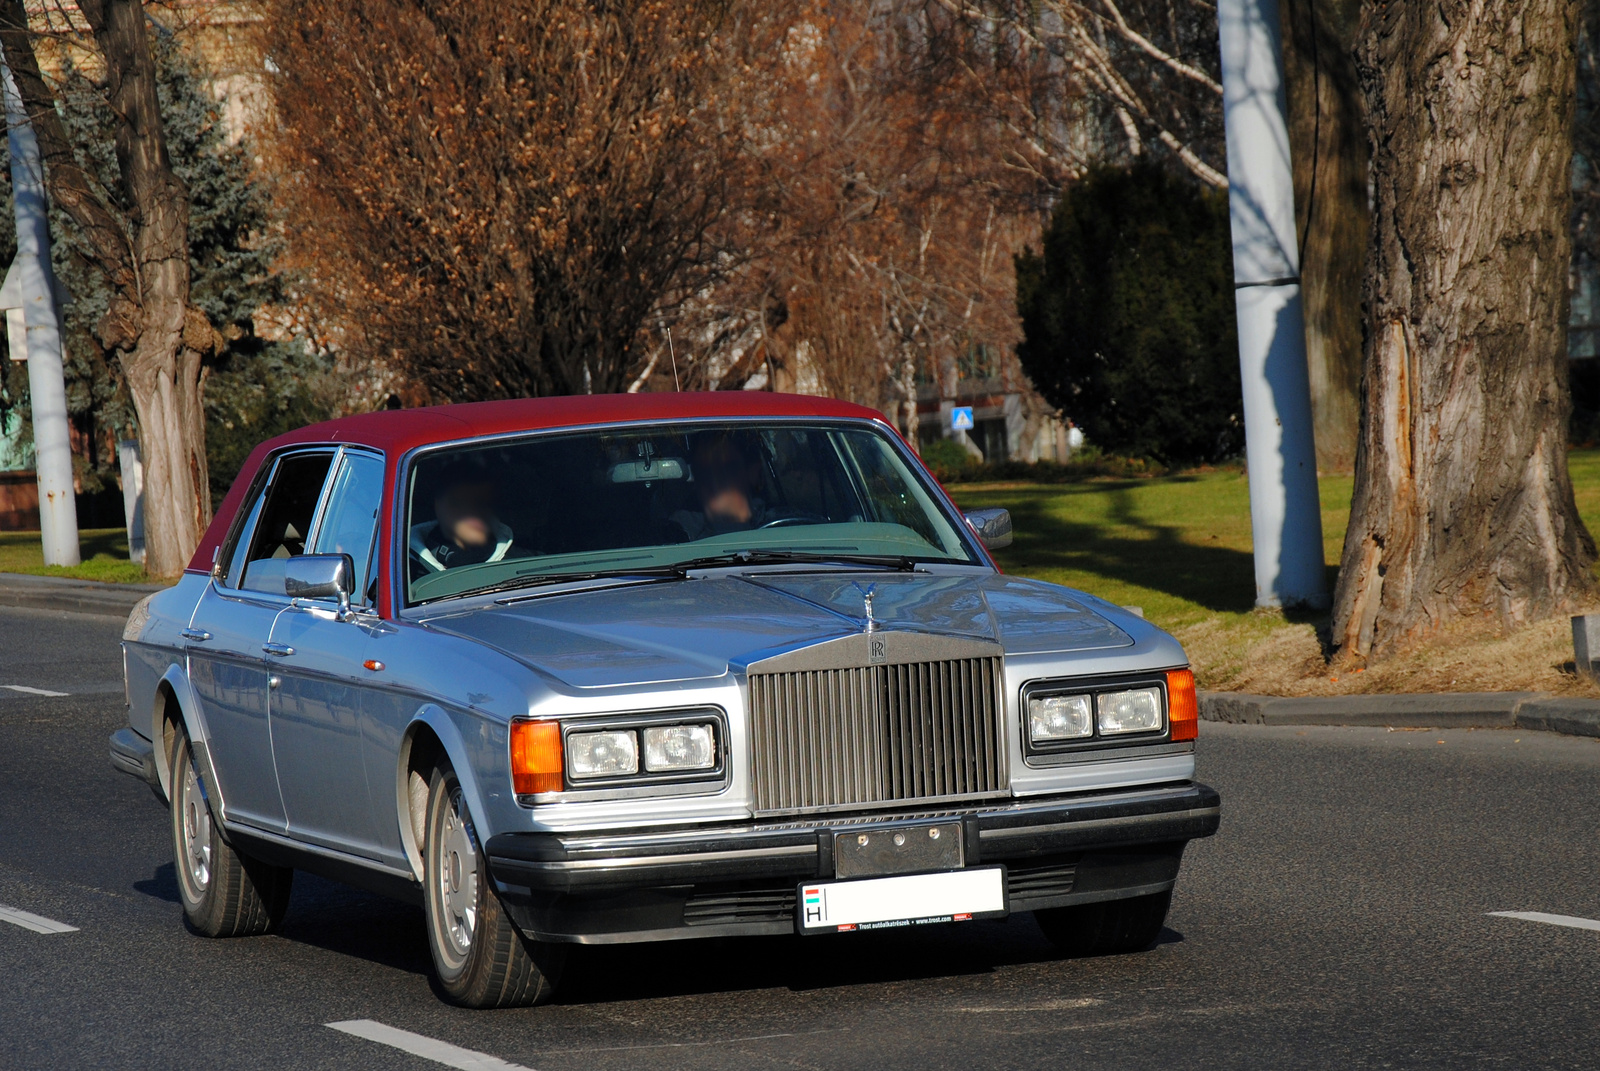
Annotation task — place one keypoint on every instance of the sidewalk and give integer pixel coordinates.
(77, 596)
(1463, 710)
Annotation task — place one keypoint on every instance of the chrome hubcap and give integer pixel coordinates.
(196, 826)
(458, 878)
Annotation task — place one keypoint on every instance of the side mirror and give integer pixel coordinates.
(320, 576)
(992, 525)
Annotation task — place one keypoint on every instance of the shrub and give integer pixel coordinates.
(1128, 317)
(947, 459)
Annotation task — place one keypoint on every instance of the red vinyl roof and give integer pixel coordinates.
(398, 430)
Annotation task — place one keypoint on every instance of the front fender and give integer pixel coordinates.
(438, 721)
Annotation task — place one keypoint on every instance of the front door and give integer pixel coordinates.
(319, 677)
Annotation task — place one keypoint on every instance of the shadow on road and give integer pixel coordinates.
(600, 975)
(350, 922)
(163, 884)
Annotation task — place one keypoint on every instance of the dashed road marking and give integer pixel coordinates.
(34, 691)
(29, 921)
(1554, 920)
(440, 1052)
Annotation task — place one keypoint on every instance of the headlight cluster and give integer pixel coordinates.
(667, 749)
(547, 756)
(1062, 718)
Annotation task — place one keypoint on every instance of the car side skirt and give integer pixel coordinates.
(335, 866)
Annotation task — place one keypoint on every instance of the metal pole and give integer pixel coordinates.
(1285, 513)
(30, 285)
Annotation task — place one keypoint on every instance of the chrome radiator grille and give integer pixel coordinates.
(834, 738)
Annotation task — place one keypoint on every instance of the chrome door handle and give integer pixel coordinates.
(281, 649)
(198, 635)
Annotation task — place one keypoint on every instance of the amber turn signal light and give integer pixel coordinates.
(1183, 707)
(535, 757)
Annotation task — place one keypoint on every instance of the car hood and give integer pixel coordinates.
(703, 627)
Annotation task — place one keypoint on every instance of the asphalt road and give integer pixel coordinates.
(1340, 919)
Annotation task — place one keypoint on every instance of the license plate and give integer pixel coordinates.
(905, 900)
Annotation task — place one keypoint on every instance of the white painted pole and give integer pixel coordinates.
(30, 286)
(1285, 514)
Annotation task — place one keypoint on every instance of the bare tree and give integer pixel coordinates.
(1463, 506)
(503, 193)
(1152, 66)
(876, 254)
(140, 242)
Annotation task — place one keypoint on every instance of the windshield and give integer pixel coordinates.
(482, 518)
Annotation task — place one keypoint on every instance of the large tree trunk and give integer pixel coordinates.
(162, 364)
(1462, 503)
(1328, 147)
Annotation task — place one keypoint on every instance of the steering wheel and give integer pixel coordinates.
(785, 522)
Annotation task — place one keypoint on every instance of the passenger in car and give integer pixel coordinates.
(465, 529)
(727, 472)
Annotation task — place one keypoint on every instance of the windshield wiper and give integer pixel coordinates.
(679, 570)
(892, 562)
(649, 572)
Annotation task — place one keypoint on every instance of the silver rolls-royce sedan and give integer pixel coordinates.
(603, 669)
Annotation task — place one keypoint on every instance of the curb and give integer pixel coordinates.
(1459, 710)
(76, 596)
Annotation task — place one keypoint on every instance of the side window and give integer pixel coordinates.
(285, 521)
(350, 521)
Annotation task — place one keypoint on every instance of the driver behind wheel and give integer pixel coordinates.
(727, 472)
(465, 530)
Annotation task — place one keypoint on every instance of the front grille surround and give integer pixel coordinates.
(828, 737)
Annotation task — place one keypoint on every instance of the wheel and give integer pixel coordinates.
(224, 893)
(1107, 928)
(481, 959)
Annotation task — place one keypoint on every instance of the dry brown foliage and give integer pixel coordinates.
(501, 193)
(571, 195)
(880, 223)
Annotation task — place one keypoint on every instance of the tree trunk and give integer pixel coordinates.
(162, 359)
(1463, 505)
(159, 338)
(1328, 147)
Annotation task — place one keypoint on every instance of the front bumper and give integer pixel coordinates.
(741, 879)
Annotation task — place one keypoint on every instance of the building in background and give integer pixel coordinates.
(1010, 421)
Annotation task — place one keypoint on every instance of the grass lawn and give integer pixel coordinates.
(1179, 547)
(104, 551)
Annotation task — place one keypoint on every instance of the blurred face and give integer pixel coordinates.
(466, 514)
(723, 480)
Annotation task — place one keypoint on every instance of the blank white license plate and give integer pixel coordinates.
(903, 900)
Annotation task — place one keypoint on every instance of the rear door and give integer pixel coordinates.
(232, 624)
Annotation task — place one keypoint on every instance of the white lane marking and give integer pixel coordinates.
(440, 1052)
(1554, 920)
(34, 691)
(29, 921)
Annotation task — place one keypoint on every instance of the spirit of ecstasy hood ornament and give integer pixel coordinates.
(866, 605)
